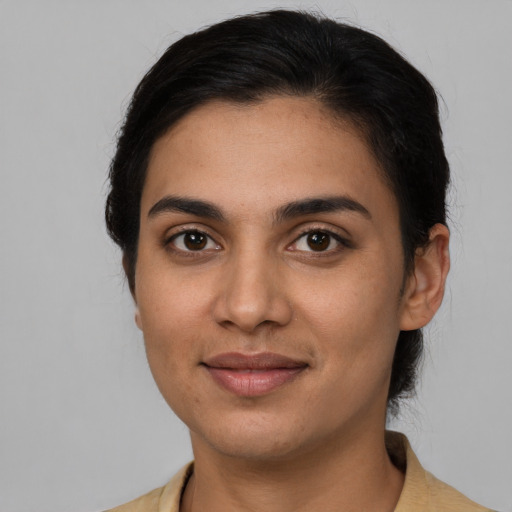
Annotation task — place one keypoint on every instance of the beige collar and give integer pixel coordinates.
(422, 492)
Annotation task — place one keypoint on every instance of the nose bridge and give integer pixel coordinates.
(251, 292)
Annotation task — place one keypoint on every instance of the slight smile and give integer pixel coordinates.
(253, 375)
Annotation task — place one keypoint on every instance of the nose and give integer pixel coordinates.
(251, 294)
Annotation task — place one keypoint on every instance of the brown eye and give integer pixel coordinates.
(194, 241)
(318, 241)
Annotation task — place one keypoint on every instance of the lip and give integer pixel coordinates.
(250, 375)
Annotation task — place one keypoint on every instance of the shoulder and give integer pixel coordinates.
(166, 498)
(444, 497)
(147, 503)
(423, 492)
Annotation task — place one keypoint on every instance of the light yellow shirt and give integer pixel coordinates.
(422, 492)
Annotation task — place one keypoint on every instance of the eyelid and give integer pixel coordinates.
(177, 231)
(184, 228)
(324, 227)
(339, 235)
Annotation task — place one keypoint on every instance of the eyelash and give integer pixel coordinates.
(170, 242)
(342, 243)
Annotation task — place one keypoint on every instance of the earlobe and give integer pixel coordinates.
(138, 319)
(425, 287)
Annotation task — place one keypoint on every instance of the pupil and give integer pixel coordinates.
(195, 241)
(318, 241)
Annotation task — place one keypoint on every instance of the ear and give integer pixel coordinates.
(131, 283)
(425, 286)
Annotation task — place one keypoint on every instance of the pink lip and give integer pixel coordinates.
(252, 375)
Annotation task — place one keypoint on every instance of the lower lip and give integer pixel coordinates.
(253, 382)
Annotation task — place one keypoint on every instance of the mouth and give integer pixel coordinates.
(253, 375)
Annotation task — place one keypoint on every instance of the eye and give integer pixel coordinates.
(192, 241)
(318, 241)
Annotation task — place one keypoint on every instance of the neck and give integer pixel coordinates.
(351, 474)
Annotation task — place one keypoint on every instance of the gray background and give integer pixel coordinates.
(82, 425)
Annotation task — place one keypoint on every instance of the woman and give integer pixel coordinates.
(278, 193)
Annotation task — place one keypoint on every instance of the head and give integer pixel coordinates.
(355, 76)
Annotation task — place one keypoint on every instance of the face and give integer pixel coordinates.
(269, 275)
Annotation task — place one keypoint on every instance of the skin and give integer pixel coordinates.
(317, 441)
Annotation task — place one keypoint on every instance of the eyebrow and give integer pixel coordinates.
(184, 205)
(320, 205)
(288, 211)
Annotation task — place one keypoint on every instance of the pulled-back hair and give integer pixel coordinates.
(353, 73)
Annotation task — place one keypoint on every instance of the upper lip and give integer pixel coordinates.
(261, 361)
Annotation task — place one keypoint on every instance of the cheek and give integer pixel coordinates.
(169, 313)
(169, 302)
(171, 338)
(356, 343)
(355, 300)
(356, 317)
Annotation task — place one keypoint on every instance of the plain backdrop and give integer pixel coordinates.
(82, 425)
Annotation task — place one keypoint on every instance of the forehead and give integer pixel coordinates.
(277, 150)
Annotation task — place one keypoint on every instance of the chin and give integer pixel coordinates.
(268, 438)
(255, 447)
(257, 438)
